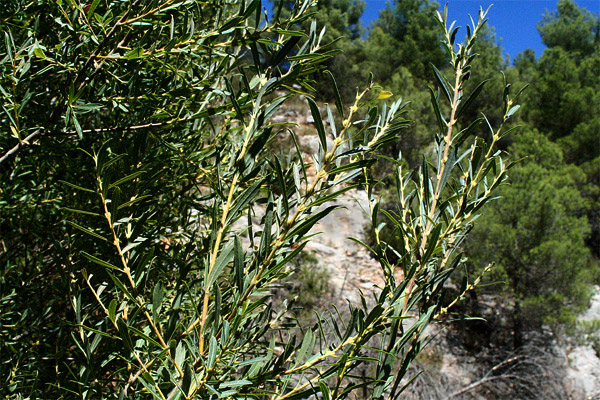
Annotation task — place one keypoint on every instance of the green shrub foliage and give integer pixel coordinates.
(536, 237)
(144, 219)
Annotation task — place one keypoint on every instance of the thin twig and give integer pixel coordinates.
(32, 138)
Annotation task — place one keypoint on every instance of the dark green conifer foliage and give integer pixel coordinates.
(567, 81)
(573, 29)
(563, 101)
(407, 29)
(536, 236)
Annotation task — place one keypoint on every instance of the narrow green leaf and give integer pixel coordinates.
(521, 91)
(235, 384)
(86, 230)
(442, 124)
(187, 379)
(124, 333)
(357, 165)
(465, 104)
(274, 106)
(145, 337)
(512, 110)
(132, 201)
(180, 354)
(157, 296)
(384, 94)
(112, 310)
(233, 98)
(99, 333)
(93, 7)
(314, 109)
(325, 392)
(243, 200)
(375, 213)
(238, 262)
(133, 54)
(39, 53)
(307, 345)
(289, 33)
(333, 195)
(432, 242)
(331, 121)
(9, 47)
(254, 6)
(453, 35)
(125, 179)
(99, 261)
(76, 123)
(336, 92)
(231, 23)
(134, 244)
(351, 325)
(285, 50)
(289, 257)
(121, 287)
(81, 211)
(282, 186)
(265, 239)
(302, 228)
(212, 353)
(448, 169)
(315, 58)
(224, 257)
(72, 185)
(443, 83)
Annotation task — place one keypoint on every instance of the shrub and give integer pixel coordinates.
(135, 159)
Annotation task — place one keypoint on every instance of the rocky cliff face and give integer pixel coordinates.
(584, 363)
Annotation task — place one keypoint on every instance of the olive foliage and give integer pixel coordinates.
(146, 219)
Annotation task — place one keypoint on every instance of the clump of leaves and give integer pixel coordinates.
(136, 161)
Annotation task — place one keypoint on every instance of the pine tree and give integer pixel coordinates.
(536, 237)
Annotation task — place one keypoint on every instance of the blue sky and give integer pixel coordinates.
(515, 21)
